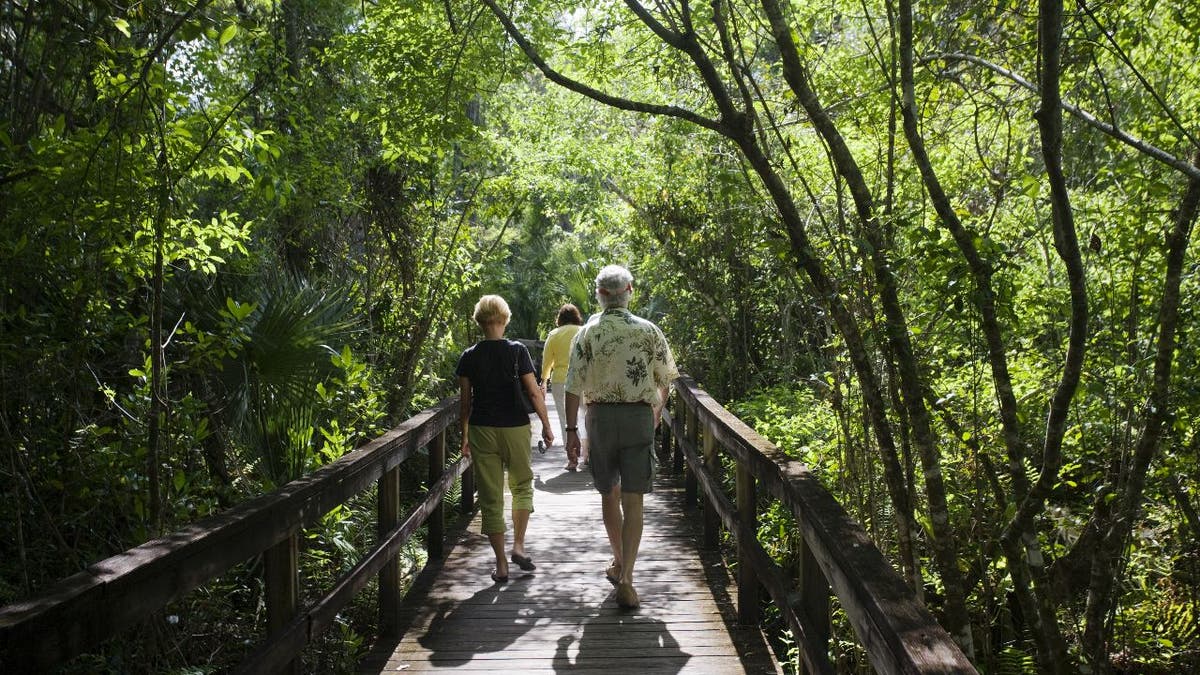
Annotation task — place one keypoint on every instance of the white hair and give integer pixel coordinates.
(614, 285)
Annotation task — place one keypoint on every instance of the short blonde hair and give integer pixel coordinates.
(491, 309)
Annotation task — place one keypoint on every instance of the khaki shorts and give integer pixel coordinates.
(621, 446)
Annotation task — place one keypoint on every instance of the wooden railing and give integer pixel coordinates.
(897, 632)
(118, 593)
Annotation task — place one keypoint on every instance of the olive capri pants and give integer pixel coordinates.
(492, 450)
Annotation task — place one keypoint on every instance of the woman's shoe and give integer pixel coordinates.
(499, 579)
(524, 562)
(571, 467)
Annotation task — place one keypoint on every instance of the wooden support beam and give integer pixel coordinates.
(670, 451)
(747, 535)
(814, 598)
(390, 595)
(282, 582)
(322, 614)
(690, 434)
(435, 537)
(712, 518)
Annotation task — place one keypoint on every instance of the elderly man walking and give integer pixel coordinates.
(622, 367)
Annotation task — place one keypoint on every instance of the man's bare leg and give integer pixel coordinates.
(631, 539)
(610, 508)
(631, 533)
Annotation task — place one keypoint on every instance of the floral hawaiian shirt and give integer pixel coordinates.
(620, 358)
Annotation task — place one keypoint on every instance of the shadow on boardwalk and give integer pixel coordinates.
(639, 637)
(562, 617)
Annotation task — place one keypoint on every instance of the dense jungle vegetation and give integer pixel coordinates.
(942, 252)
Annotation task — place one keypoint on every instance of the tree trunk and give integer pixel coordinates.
(1103, 592)
(1019, 537)
(158, 407)
(945, 549)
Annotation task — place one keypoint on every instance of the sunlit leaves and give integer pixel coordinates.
(227, 34)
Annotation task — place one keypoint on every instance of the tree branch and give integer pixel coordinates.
(1124, 57)
(1177, 163)
(592, 93)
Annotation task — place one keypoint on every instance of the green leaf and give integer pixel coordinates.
(1029, 185)
(121, 25)
(239, 310)
(227, 34)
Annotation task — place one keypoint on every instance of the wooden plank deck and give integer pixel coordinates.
(563, 616)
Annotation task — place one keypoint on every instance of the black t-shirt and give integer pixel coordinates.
(488, 364)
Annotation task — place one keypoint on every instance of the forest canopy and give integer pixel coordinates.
(940, 252)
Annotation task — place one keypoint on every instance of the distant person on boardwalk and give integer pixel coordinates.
(495, 428)
(556, 357)
(622, 366)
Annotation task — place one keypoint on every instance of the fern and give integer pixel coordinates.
(1014, 661)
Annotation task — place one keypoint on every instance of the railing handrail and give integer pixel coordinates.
(88, 607)
(897, 631)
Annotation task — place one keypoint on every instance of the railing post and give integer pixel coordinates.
(671, 449)
(389, 577)
(814, 599)
(281, 579)
(691, 436)
(435, 537)
(712, 519)
(747, 508)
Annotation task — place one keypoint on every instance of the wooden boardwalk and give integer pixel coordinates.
(563, 616)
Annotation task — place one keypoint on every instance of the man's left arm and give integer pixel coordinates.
(665, 371)
(577, 372)
(663, 393)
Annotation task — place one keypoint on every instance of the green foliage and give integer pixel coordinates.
(238, 153)
(1012, 661)
(797, 422)
(330, 185)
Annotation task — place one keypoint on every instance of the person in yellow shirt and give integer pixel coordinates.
(556, 355)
